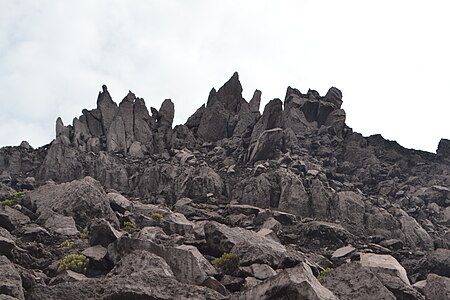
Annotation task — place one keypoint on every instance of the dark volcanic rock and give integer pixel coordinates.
(82, 199)
(295, 283)
(290, 193)
(10, 281)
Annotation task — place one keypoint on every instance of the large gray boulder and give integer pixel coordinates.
(249, 246)
(135, 286)
(10, 280)
(186, 262)
(295, 283)
(141, 262)
(267, 143)
(82, 199)
(351, 281)
(384, 264)
(437, 287)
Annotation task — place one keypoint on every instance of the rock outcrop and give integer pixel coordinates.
(234, 204)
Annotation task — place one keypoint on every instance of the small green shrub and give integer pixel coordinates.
(84, 233)
(8, 202)
(18, 195)
(14, 199)
(246, 286)
(129, 227)
(74, 262)
(324, 273)
(228, 263)
(156, 217)
(67, 243)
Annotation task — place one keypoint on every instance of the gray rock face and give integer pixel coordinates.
(102, 233)
(141, 261)
(263, 187)
(10, 281)
(57, 223)
(436, 262)
(82, 199)
(269, 141)
(437, 287)
(247, 245)
(7, 243)
(108, 110)
(125, 287)
(11, 218)
(384, 264)
(298, 283)
(353, 282)
(271, 118)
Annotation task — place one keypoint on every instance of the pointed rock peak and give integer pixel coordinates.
(59, 122)
(256, 101)
(166, 113)
(313, 95)
(212, 97)
(104, 88)
(334, 95)
(130, 97)
(232, 86)
(292, 91)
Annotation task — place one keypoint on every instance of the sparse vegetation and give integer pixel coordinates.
(13, 199)
(8, 202)
(227, 263)
(74, 262)
(156, 216)
(84, 233)
(67, 244)
(246, 286)
(18, 195)
(129, 227)
(324, 273)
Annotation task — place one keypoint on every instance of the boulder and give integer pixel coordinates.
(141, 262)
(7, 243)
(135, 286)
(82, 199)
(57, 223)
(384, 264)
(249, 246)
(437, 287)
(102, 233)
(351, 281)
(10, 280)
(177, 223)
(295, 283)
(267, 143)
(437, 262)
(261, 271)
(119, 203)
(96, 253)
(188, 264)
(11, 218)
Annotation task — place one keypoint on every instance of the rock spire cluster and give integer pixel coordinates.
(234, 204)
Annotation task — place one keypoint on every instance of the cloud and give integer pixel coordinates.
(389, 59)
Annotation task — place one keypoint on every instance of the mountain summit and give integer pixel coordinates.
(234, 204)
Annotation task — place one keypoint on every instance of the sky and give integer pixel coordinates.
(390, 59)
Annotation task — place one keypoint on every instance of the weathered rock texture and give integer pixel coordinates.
(285, 196)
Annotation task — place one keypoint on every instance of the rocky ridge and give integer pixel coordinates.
(300, 205)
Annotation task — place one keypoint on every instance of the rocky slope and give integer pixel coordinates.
(234, 204)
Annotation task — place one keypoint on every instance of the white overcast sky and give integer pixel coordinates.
(391, 59)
